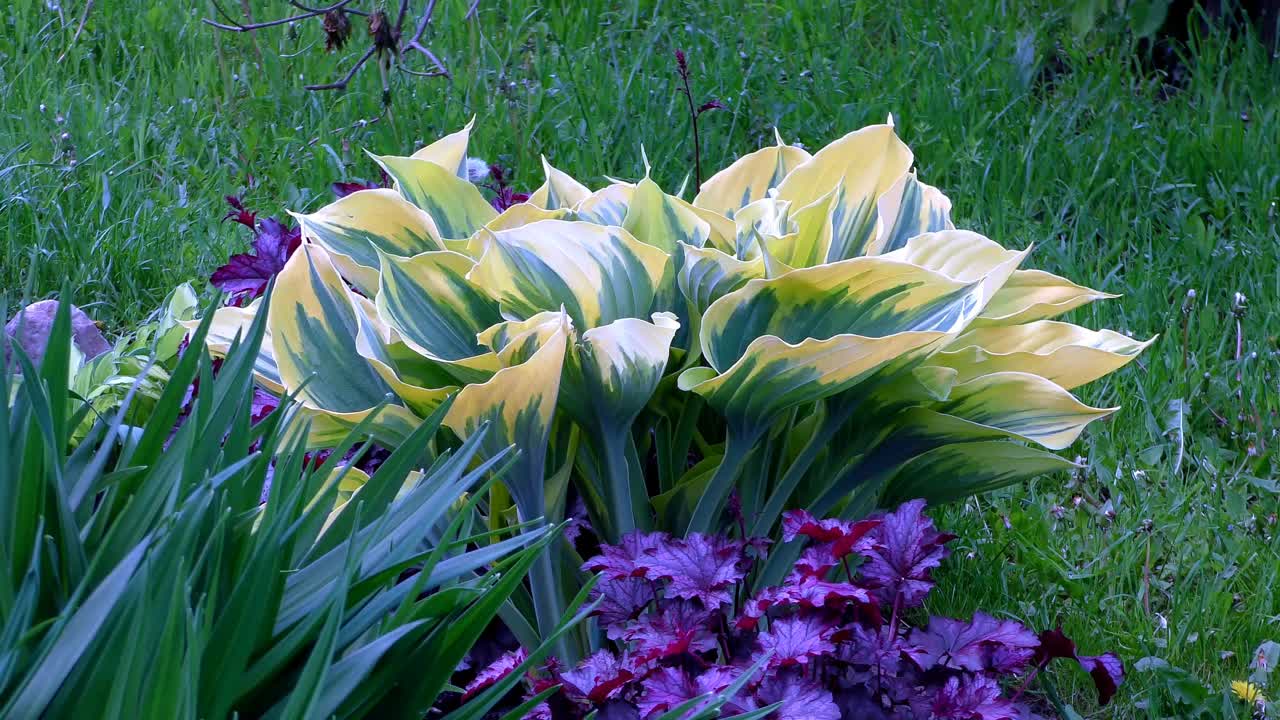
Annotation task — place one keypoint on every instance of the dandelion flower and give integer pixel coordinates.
(1247, 691)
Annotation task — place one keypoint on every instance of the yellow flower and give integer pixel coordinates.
(1247, 691)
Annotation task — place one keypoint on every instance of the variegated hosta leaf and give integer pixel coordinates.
(420, 382)
(456, 206)
(958, 470)
(871, 297)
(515, 341)
(749, 178)
(767, 216)
(559, 191)
(429, 302)
(392, 425)
(1023, 405)
(1065, 354)
(606, 206)
(860, 167)
(313, 326)
(354, 228)
(598, 274)
(230, 322)
(819, 331)
(450, 151)
(962, 255)
(660, 220)
(517, 404)
(706, 275)
(910, 208)
(615, 369)
(1036, 295)
(807, 245)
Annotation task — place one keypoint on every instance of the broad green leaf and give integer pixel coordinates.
(559, 191)
(1024, 405)
(1065, 354)
(908, 209)
(450, 151)
(313, 326)
(598, 274)
(431, 304)
(355, 228)
(749, 178)
(860, 167)
(1036, 295)
(456, 206)
(517, 405)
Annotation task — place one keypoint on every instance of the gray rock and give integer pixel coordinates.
(32, 325)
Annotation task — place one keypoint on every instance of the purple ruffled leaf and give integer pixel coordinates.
(622, 600)
(804, 592)
(632, 557)
(495, 672)
(666, 688)
(801, 699)
(678, 628)
(796, 640)
(971, 697)
(600, 677)
(700, 567)
(907, 548)
(984, 644)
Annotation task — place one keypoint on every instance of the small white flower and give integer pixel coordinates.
(477, 170)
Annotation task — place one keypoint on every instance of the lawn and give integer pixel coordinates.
(114, 161)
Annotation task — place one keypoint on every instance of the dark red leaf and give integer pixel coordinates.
(599, 677)
(1106, 670)
(805, 592)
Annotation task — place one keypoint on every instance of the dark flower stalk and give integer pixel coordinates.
(682, 68)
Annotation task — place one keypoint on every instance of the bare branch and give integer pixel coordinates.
(307, 8)
(237, 27)
(342, 84)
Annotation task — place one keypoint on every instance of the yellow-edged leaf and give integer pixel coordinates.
(1036, 295)
(907, 209)
(749, 178)
(450, 151)
(597, 273)
(230, 322)
(559, 191)
(861, 167)
(313, 327)
(1065, 354)
(655, 218)
(1024, 405)
(456, 206)
(606, 206)
(354, 228)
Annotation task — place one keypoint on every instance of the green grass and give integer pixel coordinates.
(1170, 551)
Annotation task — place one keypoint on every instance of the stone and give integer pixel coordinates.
(31, 326)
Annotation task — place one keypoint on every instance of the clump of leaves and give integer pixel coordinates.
(833, 641)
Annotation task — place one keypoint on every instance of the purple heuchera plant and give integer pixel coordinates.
(832, 642)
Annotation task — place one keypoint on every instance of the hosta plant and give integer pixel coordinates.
(840, 638)
(142, 577)
(811, 330)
